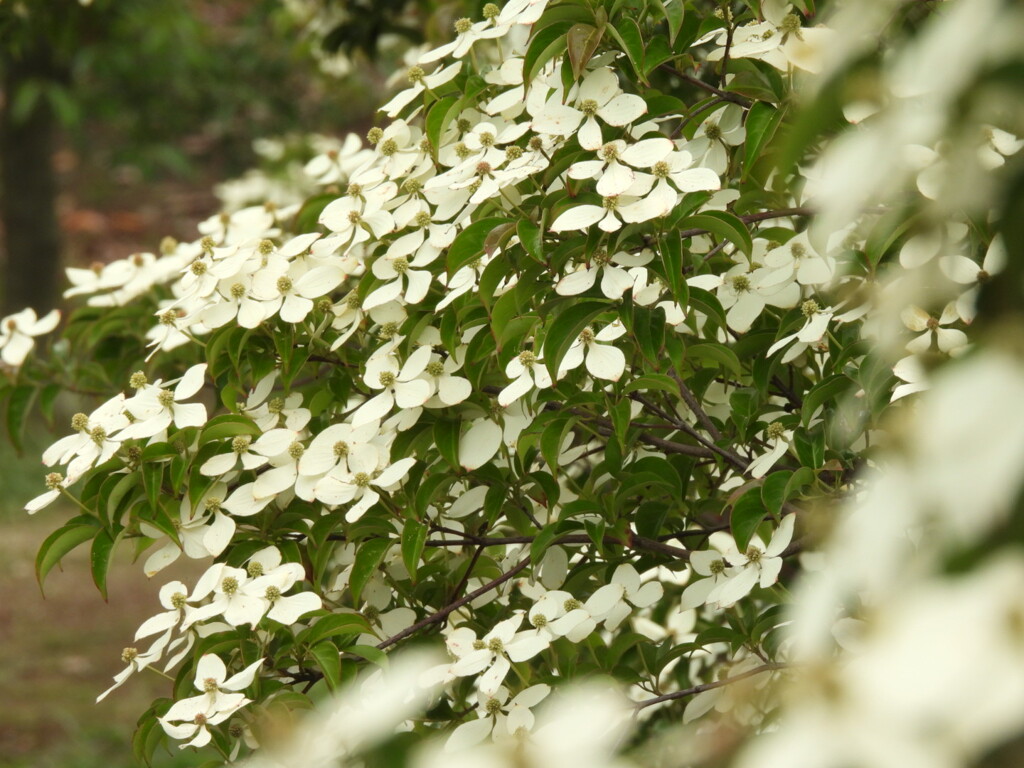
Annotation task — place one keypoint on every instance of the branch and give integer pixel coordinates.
(440, 615)
(709, 686)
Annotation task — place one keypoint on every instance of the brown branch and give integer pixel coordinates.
(710, 686)
(442, 614)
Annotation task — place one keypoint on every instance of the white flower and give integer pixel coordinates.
(760, 564)
(496, 713)
(494, 652)
(932, 333)
(92, 443)
(220, 699)
(528, 371)
(156, 408)
(614, 279)
(603, 359)
(17, 332)
(599, 97)
(780, 439)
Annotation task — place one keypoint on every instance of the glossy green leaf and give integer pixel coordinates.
(368, 557)
(822, 393)
(99, 560)
(724, 225)
(469, 244)
(549, 42)
(566, 328)
(747, 513)
(328, 659)
(414, 536)
(334, 625)
(77, 531)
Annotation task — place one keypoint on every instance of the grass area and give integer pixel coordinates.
(60, 652)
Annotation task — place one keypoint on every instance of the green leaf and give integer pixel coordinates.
(77, 531)
(532, 238)
(152, 481)
(18, 405)
(747, 513)
(627, 33)
(824, 391)
(582, 40)
(545, 45)
(716, 353)
(469, 244)
(414, 535)
(99, 560)
(672, 262)
(328, 659)
(553, 437)
(620, 414)
(541, 543)
(673, 13)
(442, 113)
(334, 625)
(368, 557)
(307, 219)
(115, 501)
(566, 328)
(371, 654)
(446, 437)
(773, 490)
(723, 225)
(762, 122)
(656, 381)
(800, 479)
(225, 426)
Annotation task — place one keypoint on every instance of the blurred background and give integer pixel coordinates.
(119, 123)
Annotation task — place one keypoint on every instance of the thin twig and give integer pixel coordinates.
(709, 686)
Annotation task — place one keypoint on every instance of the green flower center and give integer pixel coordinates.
(589, 107)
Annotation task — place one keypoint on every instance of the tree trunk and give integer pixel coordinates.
(28, 185)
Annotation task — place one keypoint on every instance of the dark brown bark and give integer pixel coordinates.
(28, 187)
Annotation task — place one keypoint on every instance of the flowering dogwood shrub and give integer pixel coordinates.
(560, 368)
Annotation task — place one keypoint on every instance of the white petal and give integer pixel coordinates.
(580, 217)
(589, 134)
(479, 445)
(190, 383)
(469, 734)
(605, 362)
(616, 179)
(623, 109)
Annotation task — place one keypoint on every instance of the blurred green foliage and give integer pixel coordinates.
(151, 83)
